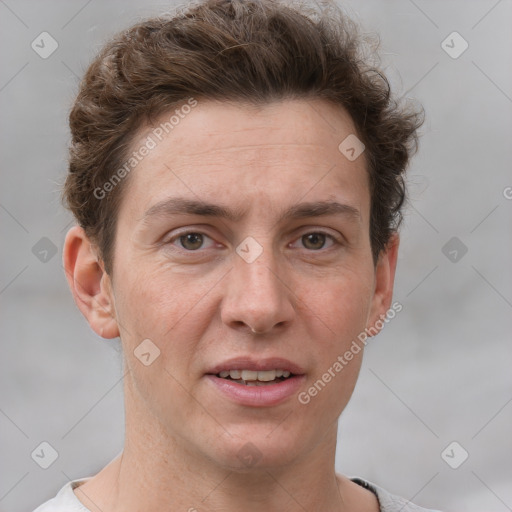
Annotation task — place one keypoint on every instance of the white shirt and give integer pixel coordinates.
(66, 500)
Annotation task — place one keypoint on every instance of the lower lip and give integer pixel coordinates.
(258, 396)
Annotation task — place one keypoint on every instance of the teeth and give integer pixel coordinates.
(249, 375)
(252, 382)
(267, 375)
(252, 375)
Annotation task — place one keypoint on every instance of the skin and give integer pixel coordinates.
(308, 299)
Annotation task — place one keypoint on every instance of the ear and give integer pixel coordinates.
(89, 283)
(384, 282)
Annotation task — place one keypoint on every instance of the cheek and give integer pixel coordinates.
(153, 301)
(166, 308)
(340, 312)
(173, 315)
(339, 309)
(341, 304)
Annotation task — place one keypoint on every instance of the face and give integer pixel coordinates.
(245, 219)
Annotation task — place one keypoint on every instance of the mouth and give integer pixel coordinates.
(255, 378)
(257, 383)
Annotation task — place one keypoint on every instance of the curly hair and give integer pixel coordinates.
(251, 52)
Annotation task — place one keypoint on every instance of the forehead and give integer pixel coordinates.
(279, 152)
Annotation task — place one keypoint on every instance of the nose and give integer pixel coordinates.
(258, 297)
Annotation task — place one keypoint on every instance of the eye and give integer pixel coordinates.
(317, 240)
(192, 241)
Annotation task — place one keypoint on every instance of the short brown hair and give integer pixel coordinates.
(253, 52)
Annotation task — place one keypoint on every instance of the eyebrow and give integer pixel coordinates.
(183, 206)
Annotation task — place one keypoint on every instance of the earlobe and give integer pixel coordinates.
(89, 283)
(384, 283)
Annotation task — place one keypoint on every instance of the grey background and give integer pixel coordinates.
(439, 372)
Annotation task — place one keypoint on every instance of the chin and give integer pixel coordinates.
(249, 448)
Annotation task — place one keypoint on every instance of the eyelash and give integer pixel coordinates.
(178, 236)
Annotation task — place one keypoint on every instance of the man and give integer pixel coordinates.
(236, 174)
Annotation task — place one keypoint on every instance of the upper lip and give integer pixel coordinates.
(250, 363)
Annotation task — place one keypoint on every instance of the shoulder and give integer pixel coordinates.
(65, 500)
(389, 502)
